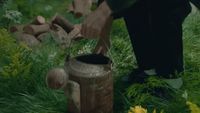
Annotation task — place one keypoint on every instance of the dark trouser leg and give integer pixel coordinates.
(167, 29)
(137, 22)
(169, 50)
(156, 37)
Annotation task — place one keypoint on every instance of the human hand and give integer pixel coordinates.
(96, 24)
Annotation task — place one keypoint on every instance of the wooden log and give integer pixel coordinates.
(82, 7)
(36, 29)
(64, 23)
(79, 35)
(16, 28)
(39, 20)
(56, 78)
(42, 37)
(75, 34)
(71, 8)
(28, 39)
(61, 37)
(17, 35)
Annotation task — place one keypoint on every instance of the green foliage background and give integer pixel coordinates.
(23, 69)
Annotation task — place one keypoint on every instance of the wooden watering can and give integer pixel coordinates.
(88, 83)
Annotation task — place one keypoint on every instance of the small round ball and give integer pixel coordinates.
(56, 78)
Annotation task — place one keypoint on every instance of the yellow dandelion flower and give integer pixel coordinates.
(137, 109)
(193, 107)
(154, 111)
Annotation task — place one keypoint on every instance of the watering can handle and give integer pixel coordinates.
(72, 91)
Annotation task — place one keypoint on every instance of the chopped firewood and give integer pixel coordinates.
(56, 78)
(36, 29)
(71, 8)
(18, 35)
(39, 20)
(16, 28)
(43, 36)
(28, 39)
(61, 37)
(81, 7)
(75, 34)
(79, 35)
(64, 23)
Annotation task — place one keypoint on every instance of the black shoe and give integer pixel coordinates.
(136, 76)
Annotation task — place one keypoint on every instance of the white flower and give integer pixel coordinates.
(13, 15)
(185, 95)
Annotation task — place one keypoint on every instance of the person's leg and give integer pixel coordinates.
(169, 46)
(167, 30)
(138, 24)
(156, 35)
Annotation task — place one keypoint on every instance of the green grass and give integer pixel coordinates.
(23, 70)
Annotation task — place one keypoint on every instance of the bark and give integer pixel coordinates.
(75, 34)
(28, 39)
(61, 37)
(43, 36)
(36, 29)
(64, 23)
(81, 7)
(16, 28)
